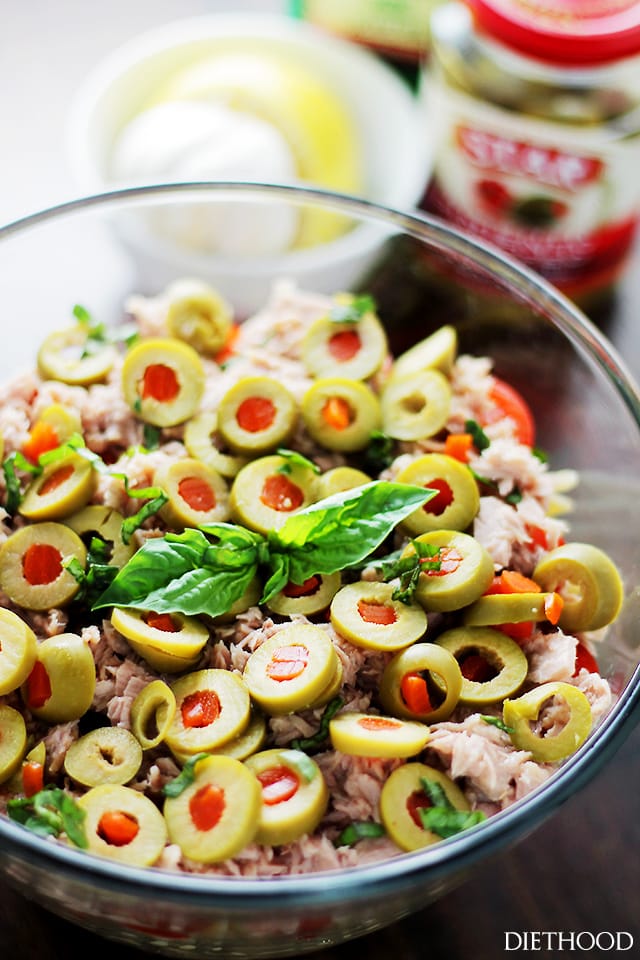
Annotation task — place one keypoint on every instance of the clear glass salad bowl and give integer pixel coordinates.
(97, 250)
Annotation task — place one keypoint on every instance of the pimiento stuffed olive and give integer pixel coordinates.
(312, 596)
(62, 488)
(367, 615)
(171, 642)
(413, 682)
(268, 490)
(212, 707)
(456, 571)
(203, 441)
(256, 415)
(416, 406)
(197, 493)
(371, 735)
(54, 426)
(492, 665)
(197, 314)
(341, 414)
(163, 380)
(61, 683)
(63, 356)
(31, 565)
(354, 348)
(123, 824)
(457, 499)
(17, 651)
(404, 795)
(13, 741)
(588, 582)
(294, 794)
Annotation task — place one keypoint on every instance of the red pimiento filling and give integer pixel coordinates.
(41, 563)
(38, 686)
(443, 499)
(160, 383)
(344, 345)
(585, 660)
(57, 478)
(279, 493)
(306, 589)
(278, 784)
(447, 560)
(118, 828)
(197, 494)
(42, 438)
(201, 708)
(474, 667)
(288, 662)
(206, 807)
(337, 413)
(380, 613)
(255, 414)
(415, 693)
(417, 801)
(378, 723)
(162, 621)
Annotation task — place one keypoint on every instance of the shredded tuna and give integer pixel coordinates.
(551, 656)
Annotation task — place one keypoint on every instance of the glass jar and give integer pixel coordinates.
(534, 116)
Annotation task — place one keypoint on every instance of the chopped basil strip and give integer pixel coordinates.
(316, 741)
(442, 817)
(50, 812)
(408, 569)
(359, 830)
(185, 778)
(97, 576)
(514, 497)
(352, 311)
(151, 437)
(16, 461)
(497, 722)
(301, 763)
(480, 439)
(380, 453)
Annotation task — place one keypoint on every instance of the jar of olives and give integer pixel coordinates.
(535, 114)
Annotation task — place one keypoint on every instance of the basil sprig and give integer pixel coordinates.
(442, 817)
(407, 569)
(359, 830)
(353, 309)
(49, 813)
(185, 778)
(188, 573)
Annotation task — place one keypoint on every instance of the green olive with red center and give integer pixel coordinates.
(64, 421)
(369, 735)
(268, 490)
(103, 522)
(13, 741)
(17, 651)
(31, 565)
(493, 666)
(353, 349)
(522, 714)
(367, 615)
(498, 608)
(123, 824)
(312, 596)
(341, 414)
(291, 669)
(403, 795)
(169, 642)
(203, 442)
(163, 380)
(339, 479)
(421, 662)
(104, 755)
(197, 314)
(294, 795)
(457, 499)
(62, 488)
(197, 493)
(457, 571)
(218, 814)
(62, 681)
(438, 351)
(417, 406)
(256, 415)
(63, 356)
(588, 582)
(152, 713)
(212, 708)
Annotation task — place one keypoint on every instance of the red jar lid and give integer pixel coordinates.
(576, 32)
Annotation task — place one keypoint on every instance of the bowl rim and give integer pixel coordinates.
(521, 817)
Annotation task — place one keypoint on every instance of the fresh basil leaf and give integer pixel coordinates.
(50, 812)
(540, 455)
(344, 528)
(436, 793)
(497, 722)
(16, 461)
(380, 453)
(186, 776)
(232, 534)
(447, 823)
(82, 315)
(359, 830)
(279, 566)
(353, 310)
(408, 568)
(74, 444)
(294, 459)
(316, 741)
(135, 521)
(480, 439)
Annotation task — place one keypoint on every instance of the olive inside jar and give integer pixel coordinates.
(535, 113)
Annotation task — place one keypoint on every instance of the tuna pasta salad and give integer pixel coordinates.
(273, 601)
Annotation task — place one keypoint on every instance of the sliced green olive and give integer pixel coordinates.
(294, 795)
(250, 598)
(13, 741)
(355, 350)
(492, 665)
(163, 380)
(64, 421)
(212, 708)
(104, 755)
(63, 356)
(339, 479)
(202, 440)
(367, 615)
(370, 735)
(218, 814)
(152, 713)
(312, 596)
(62, 681)
(402, 797)
(459, 571)
(169, 642)
(422, 659)
(522, 713)
(197, 493)
(256, 415)
(106, 524)
(62, 488)
(123, 824)
(588, 582)
(17, 651)
(31, 570)
(341, 414)
(252, 739)
(438, 351)
(332, 689)
(508, 608)
(197, 314)
(268, 490)
(291, 669)
(456, 502)
(416, 406)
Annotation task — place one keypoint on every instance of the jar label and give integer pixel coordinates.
(563, 200)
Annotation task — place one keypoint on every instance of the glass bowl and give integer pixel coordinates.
(97, 250)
